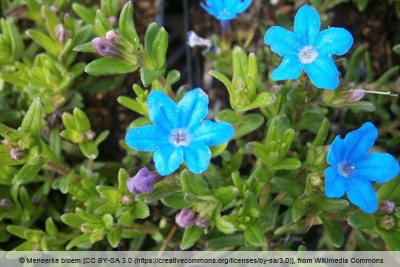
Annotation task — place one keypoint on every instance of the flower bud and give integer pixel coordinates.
(201, 222)
(16, 154)
(5, 203)
(388, 222)
(90, 135)
(356, 94)
(105, 47)
(61, 33)
(185, 218)
(192, 40)
(112, 35)
(143, 181)
(113, 21)
(127, 199)
(387, 206)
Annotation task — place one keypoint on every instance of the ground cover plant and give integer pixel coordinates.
(287, 141)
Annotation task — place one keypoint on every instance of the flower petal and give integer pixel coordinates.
(197, 157)
(290, 68)
(335, 153)
(333, 41)
(307, 24)
(282, 41)
(146, 138)
(167, 159)
(362, 194)
(378, 167)
(335, 185)
(323, 72)
(213, 133)
(193, 108)
(358, 142)
(163, 111)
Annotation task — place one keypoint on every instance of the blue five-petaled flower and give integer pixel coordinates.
(309, 49)
(179, 132)
(225, 9)
(352, 169)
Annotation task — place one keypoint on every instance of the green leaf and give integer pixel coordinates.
(228, 115)
(323, 204)
(334, 230)
(286, 164)
(262, 100)
(149, 75)
(251, 122)
(254, 235)
(114, 236)
(51, 228)
(362, 221)
(190, 236)
(298, 210)
(108, 66)
(225, 194)
(86, 14)
(45, 41)
(224, 225)
(28, 171)
(175, 200)
(396, 49)
(85, 238)
(193, 184)
(391, 238)
(390, 191)
(33, 120)
(89, 149)
(127, 25)
(101, 25)
(293, 188)
(133, 105)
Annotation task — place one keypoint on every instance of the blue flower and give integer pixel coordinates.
(352, 169)
(179, 132)
(307, 48)
(226, 9)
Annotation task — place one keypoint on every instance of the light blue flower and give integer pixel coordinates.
(225, 9)
(309, 49)
(352, 169)
(179, 132)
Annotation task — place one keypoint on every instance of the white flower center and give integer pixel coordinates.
(180, 137)
(345, 168)
(307, 55)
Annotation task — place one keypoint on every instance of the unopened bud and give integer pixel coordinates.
(105, 47)
(112, 35)
(356, 94)
(127, 199)
(143, 181)
(54, 8)
(16, 154)
(113, 21)
(90, 135)
(201, 222)
(61, 33)
(5, 203)
(388, 222)
(185, 218)
(387, 206)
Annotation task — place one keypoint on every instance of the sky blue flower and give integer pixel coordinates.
(309, 49)
(225, 9)
(352, 169)
(179, 132)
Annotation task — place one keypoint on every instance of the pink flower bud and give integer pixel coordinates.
(61, 33)
(387, 206)
(185, 218)
(105, 47)
(16, 154)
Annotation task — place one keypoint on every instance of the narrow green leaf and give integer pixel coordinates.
(228, 115)
(390, 191)
(101, 25)
(89, 149)
(51, 228)
(45, 41)
(251, 122)
(224, 225)
(262, 100)
(87, 15)
(293, 188)
(334, 230)
(108, 66)
(114, 236)
(286, 164)
(190, 236)
(323, 204)
(254, 235)
(149, 38)
(191, 185)
(149, 75)
(127, 24)
(298, 210)
(28, 171)
(85, 238)
(392, 238)
(362, 221)
(33, 119)
(175, 200)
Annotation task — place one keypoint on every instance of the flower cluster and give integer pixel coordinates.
(352, 169)
(179, 132)
(307, 48)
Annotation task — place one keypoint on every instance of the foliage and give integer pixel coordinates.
(262, 190)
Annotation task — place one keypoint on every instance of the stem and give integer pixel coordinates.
(168, 239)
(58, 168)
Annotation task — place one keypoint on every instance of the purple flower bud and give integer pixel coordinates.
(105, 47)
(112, 36)
(61, 33)
(201, 222)
(143, 181)
(356, 94)
(16, 154)
(5, 203)
(387, 206)
(90, 135)
(185, 218)
(113, 21)
(54, 8)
